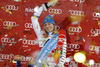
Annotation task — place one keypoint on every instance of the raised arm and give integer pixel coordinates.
(35, 17)
(36, 25)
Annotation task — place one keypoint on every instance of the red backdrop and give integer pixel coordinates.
(81, 19)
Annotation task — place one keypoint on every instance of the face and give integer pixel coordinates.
(49, 27)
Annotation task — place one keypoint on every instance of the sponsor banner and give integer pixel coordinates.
(72, 47)
(71, 64)
(95, 65)
(9, 23)
(11, 7)
(29, 42)
(76, 12)
(23, 59)
(28, 25)
(96, 15)
(94, 49)
(57, 11)
(95, 32)
(73, 30)
(7, 40)
(80, 1)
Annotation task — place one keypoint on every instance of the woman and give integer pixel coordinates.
(49, 38)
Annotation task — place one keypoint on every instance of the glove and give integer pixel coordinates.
(52, 3)
(49, 4)
(59, 65)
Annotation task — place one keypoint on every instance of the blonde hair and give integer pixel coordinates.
(46, 34)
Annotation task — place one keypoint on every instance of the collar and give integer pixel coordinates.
(50, 33)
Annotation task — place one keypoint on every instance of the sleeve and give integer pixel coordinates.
(36, 25)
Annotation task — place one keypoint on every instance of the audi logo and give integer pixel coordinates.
(74, 46)
(57, 11)
(75, 29)
(96, 31)
(6, 56)
(9, 23)
(96, 48)
(7, 40)
(78, 1)
(28, 25)
(95, 65)
(75, 12)
(95, 14)
(72, 63)
(10, 56)
(22, 58)
(29, 42)
(11, 7)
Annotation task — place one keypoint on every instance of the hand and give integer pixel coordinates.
(49, 4)
(52, 3)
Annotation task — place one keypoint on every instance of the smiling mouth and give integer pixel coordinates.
(48, 28)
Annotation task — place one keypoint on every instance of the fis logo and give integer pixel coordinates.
(80, 1)
(11, 7)
(57, 11)
(75, 12)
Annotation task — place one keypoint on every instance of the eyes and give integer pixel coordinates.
(47, 24)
